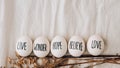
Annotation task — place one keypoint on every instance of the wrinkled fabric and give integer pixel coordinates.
(49, 18)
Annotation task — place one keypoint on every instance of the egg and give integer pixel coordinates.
(95, 45)
(41, 47)
(76, 46)
(24, 46)
(58, 46)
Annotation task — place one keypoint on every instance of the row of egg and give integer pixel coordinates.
(59, 47)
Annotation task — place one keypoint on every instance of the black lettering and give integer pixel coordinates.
(40, 47)
(75, 45)
(21, 45)
(57, 45)
(96, 44)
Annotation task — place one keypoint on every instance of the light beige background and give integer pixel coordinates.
(49, 18)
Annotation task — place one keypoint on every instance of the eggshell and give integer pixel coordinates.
(58, 46)
(24, 46)
(95, 45)
(76, 46)
(41, 47)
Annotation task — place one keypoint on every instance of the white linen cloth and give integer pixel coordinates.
(49, 18)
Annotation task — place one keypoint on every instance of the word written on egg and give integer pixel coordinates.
(96, 44)
(57, 45)
(21, 45)
(40, 47)
(76, 45)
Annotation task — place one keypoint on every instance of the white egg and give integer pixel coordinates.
(95, 45)
(41, 47)
(24, 46)
(76, 46)
(58, 46)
